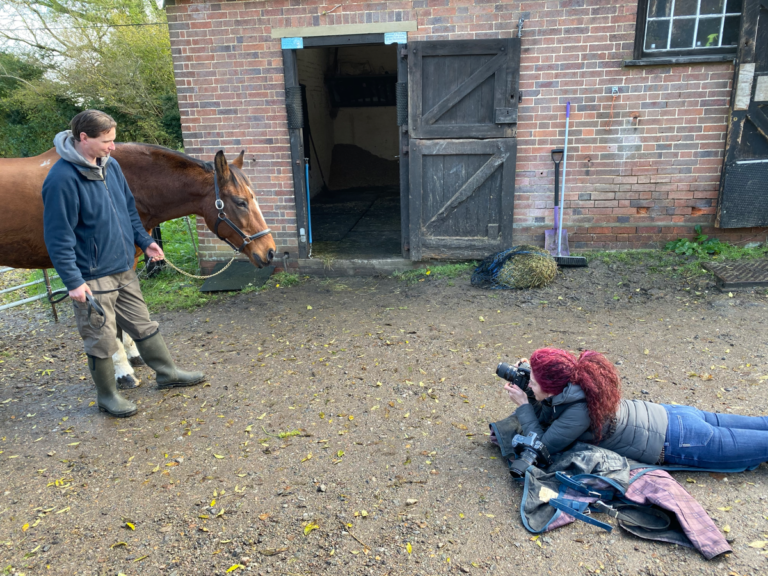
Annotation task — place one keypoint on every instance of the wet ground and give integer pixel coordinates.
(344, 430)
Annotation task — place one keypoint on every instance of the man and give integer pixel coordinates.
(91, 226)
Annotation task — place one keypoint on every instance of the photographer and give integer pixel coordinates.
(570, 399)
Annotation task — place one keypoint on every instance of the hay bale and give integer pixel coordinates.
(534, 269)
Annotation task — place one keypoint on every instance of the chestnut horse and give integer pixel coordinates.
(166, 185)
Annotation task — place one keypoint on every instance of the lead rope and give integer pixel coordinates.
(188, 275)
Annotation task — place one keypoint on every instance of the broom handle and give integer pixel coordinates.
(562, 193)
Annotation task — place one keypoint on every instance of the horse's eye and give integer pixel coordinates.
(241, 203)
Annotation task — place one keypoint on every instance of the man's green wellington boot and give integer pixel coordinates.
(155, 353)
(107, 396)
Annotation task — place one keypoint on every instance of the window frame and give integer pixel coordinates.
(716, 54)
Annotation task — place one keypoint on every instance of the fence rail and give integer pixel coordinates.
(45, 279)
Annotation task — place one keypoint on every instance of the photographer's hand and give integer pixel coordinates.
(515, 394)
(521, 361)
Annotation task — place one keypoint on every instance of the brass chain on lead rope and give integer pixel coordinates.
(196, 277)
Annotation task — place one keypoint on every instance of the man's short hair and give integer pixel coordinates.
(93, 122)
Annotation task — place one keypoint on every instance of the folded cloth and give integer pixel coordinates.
(659, 488)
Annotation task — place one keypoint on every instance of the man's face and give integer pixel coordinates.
(99, 146)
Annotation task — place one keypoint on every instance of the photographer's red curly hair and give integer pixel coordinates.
(553, 369)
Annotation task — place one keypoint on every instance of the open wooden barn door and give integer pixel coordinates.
(743, 198)
(463, 97)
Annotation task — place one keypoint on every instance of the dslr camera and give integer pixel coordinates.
(530, 451)
(517, 375)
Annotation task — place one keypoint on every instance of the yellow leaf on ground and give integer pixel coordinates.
(758, 544)
(261, 417)
(234, 567)
(131, 526)
(409, 548)
(307, 457)
(309, 527)
(690, 480)
(725, 509)
(25, 528)
(218, 456)
(726, 528)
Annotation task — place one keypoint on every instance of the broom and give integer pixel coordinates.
(565, 261)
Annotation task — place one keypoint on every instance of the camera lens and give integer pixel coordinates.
(506, 371)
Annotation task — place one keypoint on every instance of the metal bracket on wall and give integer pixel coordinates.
(520, 27)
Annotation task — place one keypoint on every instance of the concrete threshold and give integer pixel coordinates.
(356, 266)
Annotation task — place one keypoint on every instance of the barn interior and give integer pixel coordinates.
(351, 139)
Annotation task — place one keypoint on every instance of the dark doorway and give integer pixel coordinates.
(351, 142)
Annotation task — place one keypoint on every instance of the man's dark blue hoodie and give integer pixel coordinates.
(90, 218)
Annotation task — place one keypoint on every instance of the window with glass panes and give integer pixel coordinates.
(691, 24)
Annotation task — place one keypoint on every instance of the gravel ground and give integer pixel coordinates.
(345, 430)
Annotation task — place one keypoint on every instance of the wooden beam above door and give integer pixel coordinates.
(345, 29)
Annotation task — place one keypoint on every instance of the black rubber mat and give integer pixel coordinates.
(742, 274)
(242, 274)
(359, 222)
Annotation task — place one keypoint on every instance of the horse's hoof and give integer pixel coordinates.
(127, 382)
(136, 361)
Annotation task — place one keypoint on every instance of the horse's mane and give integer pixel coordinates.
(178, 159)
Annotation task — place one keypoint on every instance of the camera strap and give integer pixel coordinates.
(582, 488)
(628, 515)
(579, 510)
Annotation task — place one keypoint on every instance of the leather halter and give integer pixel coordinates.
(222, 217)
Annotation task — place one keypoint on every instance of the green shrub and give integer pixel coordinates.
(701, 245)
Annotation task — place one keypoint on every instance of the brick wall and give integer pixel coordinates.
(645, 166)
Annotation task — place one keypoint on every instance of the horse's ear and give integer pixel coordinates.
(238, 162)
(222, 168)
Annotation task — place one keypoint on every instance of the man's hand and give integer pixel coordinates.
(154, 252)
(515, 394)
(78, 294)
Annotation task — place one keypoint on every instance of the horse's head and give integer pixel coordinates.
(238, 218)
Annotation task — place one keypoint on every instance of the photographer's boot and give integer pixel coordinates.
(107, 396)
(155, 353)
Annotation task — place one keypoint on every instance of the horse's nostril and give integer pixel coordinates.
(270, 254)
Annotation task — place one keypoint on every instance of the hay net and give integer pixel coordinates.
(497, 271)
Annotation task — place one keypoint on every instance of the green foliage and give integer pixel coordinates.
(285, 279)
(453, 270)
(32, 108)
(168, 289)
(701, 245)
(113, 55)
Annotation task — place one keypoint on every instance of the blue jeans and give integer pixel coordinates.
(720, 441)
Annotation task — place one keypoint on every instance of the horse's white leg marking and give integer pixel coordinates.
(131, 351)
(124, 375)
